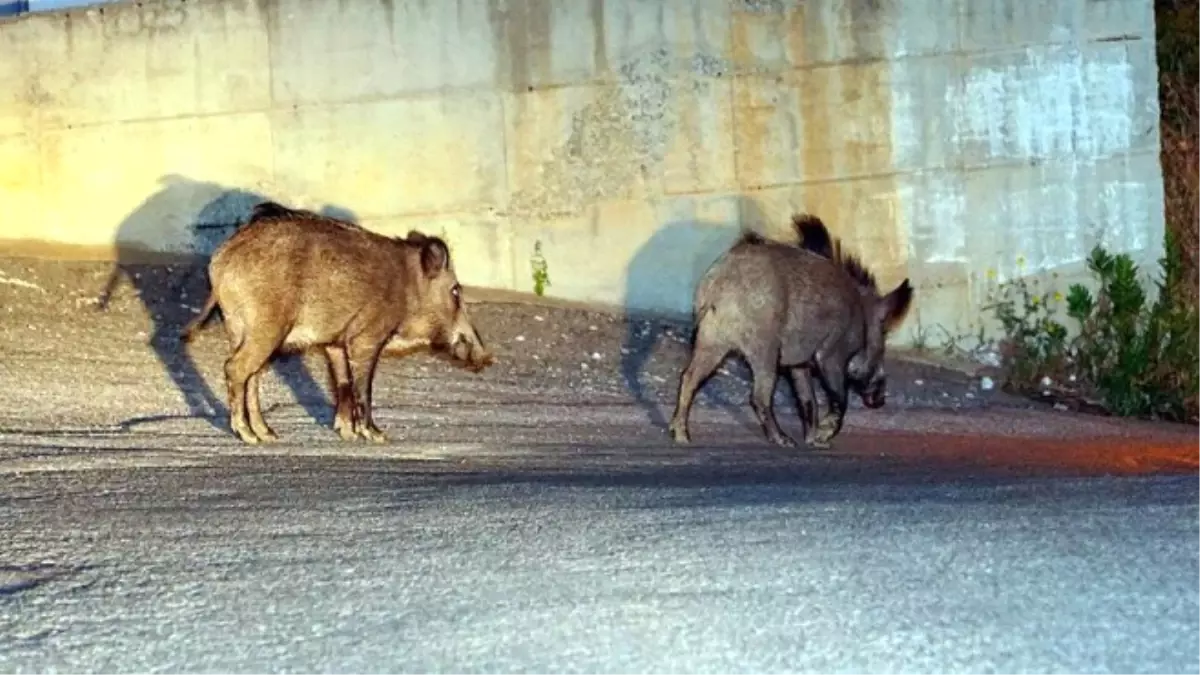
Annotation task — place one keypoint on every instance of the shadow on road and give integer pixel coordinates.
(814, 477)
(664, 273)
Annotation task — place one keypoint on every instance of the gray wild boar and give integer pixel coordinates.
(292, 280)
(806, 308)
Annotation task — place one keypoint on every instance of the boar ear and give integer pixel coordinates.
(414, 237)
(894, 306)
(435, 256)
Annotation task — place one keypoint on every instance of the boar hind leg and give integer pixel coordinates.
(834, 377)
(704, 360)
(254, 408)
(806, 402)
(344, 404)
(248, 358)
(364, 357)
(764, 371)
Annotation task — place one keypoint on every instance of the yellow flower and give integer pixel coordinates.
(1035, 300)
(1058, 296)
(991, 274)
(1021, 261)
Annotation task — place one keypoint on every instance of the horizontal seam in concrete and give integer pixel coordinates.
(438, 94)
(151, 120)
(1119, 38)
(286, 107)
(766, 71)
(1029, 162)
(1033, 162)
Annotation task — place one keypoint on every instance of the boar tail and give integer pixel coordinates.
(814, 236)
(698, 316)
(196, 323)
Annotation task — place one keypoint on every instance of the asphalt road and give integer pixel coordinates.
(536, 518)
(614, 561)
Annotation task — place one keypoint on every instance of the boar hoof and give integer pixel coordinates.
(264, 433)
(372, 434)
(246, 436)
(345, 429)
(818, 443)
(680, 435)
(782, 440)
(825, 431)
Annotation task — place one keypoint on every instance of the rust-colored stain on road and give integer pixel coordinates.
(1030, 456)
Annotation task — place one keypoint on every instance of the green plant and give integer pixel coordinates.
(540, 270)
(1140, 358)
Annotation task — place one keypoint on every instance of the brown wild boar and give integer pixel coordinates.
(396, 345)
(802, 307)
(292, 280)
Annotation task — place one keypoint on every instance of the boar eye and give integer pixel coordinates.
(456, 291)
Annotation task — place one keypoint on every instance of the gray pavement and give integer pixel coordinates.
(535, 518)
(586, 559)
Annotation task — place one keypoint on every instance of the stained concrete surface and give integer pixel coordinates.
(947, 150)
(533, 519)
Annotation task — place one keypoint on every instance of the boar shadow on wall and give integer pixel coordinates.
(664, 273)
(193, 217)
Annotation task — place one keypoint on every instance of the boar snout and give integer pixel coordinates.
(874, 399)
(467, 347)
(874, 392)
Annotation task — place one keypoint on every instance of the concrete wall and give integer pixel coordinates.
(942, 138)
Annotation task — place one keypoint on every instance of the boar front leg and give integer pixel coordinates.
(806, 400)
(344, 405)
(833, 375)
(364, 357)
(764, 370)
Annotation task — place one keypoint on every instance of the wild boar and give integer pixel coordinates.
(292, 280)
(396, 345)
(801, 307)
